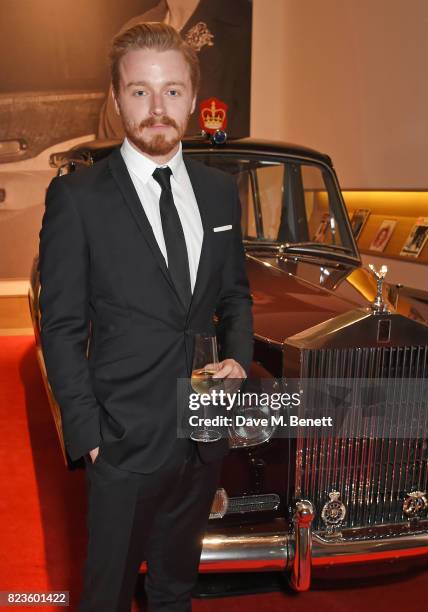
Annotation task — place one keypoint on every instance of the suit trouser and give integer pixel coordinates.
(159, 517)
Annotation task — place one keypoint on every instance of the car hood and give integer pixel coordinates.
(293, 294)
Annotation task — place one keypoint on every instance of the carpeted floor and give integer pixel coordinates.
(43, 524)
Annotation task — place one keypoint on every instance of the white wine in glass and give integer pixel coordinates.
(202, 380)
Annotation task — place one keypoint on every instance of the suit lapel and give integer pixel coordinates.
(121, 175)
(202, 194)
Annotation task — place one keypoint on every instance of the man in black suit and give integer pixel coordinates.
(139, 252)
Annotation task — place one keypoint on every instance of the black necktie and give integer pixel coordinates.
(178, 261)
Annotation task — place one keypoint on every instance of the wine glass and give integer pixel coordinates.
(205, 364)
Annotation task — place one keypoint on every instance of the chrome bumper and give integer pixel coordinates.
(272, 546)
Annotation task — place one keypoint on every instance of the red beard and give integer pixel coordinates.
(159, 144)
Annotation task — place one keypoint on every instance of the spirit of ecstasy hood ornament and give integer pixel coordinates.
(379, 306)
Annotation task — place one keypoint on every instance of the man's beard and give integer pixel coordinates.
(158, 144)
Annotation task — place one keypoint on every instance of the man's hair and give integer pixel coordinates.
(151, 35)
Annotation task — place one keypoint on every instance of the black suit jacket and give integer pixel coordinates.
(103, 276)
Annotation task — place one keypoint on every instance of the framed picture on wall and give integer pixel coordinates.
(358, 221)
(383, 235)
(417, 238)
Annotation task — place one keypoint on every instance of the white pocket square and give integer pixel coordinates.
(222, 228)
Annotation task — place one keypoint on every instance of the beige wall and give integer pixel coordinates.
(348, 77)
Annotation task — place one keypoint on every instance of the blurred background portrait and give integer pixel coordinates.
(383, 235)
(54, 90)
(417, 238)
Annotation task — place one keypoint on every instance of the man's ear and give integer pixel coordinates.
(193, 105)
(115, 102)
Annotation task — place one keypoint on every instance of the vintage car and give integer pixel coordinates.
(292, 504)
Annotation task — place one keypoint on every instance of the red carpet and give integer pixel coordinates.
(43, 524)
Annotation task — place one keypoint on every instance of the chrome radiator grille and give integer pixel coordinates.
(373, 475)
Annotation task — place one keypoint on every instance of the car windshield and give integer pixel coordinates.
(287, 201)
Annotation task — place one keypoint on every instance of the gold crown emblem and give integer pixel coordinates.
(213, 117)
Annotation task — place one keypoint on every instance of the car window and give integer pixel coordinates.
(261, 193)
(286, 201)
(270, 180)
(319, 210)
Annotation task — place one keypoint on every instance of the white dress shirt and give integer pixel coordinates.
(141, 169)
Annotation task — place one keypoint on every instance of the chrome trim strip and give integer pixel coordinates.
(253, 503)
(240, 150)
(340, 552)
(272, 547)
(240, 546)
(267, 340)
